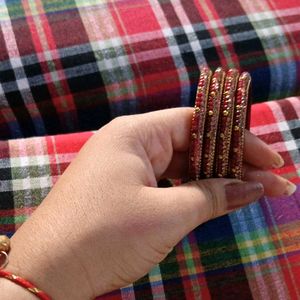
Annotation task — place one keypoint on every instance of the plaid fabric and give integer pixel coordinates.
(73, 65)
(253, 253)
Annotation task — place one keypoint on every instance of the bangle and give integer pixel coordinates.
(225, 123)
(4, 249)
(198, 122)
(211, 123)
(221, 115)
(239, 123)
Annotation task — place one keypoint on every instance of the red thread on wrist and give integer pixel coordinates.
(25, 284)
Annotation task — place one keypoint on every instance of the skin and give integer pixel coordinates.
(105, 223)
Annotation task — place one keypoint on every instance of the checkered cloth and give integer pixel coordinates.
(69, 66)
(251, 253)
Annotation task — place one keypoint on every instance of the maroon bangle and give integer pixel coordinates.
(198, 123)
(211, 123)
(222, 112)
(225, 123)
(239, 124)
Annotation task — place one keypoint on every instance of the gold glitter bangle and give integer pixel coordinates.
(225, 123)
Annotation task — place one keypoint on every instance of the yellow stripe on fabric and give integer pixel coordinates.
(255, 244)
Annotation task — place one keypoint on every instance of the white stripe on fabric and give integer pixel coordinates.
(175, 52)
(35, 160)
(15, 60)
(25, 184)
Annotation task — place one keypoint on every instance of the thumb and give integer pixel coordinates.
(191, 204)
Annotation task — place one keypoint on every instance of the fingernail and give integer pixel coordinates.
(241, 193)
(278, 161)
(290, 188)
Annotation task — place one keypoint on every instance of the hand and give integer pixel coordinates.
(105, 223)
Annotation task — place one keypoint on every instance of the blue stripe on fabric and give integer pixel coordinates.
(248, 219)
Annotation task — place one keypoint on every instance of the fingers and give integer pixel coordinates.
(274, 185)
(173, 124)
(259, 154)
(256, 153)
(163, 133)
(153, 136)
(185, 207)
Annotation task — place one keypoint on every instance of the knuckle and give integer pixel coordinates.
(120, 122)
(214, 201)
(121, 127)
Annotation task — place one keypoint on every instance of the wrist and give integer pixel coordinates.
(42, 266)
(10, 290)
(42, 253)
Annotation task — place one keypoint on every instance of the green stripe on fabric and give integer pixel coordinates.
(55, 5)
(13, 220)
(58, 5)
(188, 256)
(30, 171)
(14, 8)
(30, 197)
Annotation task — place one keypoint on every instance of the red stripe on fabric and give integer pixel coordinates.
(272, 137)
(68, 25)
(68, 143)
(57, 168)
(261, 114)
(289, 171)
(4, 149)
(54, 167)
(8, 228)
(212, 12)
(233, 8)
(60, 105)
(115, 15)
(204, 16)
(115, 295)
(63, 103)
(163, 91)
(166, 79)
(291, 273)
(170, 13)
(23, 36)
(277, 137)
(47, 29)
(205, 293)
(17, 212)
(156, 66)
(36, 40)
(184, 272)
(288, 110)
(3, 53)
(195, 286)
(283, 4)
(158, 43)
(290, 19)
(137, 17)
(291, 35)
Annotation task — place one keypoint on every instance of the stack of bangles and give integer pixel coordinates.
(221, 115)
